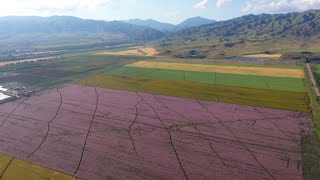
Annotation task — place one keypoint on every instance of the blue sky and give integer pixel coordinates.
(173, 11)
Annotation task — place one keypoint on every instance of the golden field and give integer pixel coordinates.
(243, 70)
(272, 56)
(13, 168)
(144, 51)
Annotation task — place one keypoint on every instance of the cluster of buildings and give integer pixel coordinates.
(11, 55)
(22, 54)
(13, 90)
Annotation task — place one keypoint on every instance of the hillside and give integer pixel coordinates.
(193, 22)
(65, 29)
(304, 24)
(248, 34)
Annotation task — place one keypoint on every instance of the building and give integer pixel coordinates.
(14, 89)
(194, 53)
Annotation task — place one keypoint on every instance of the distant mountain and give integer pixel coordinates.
(166, 27)
(192, 22)
(68, 24)
(66, 29)
(303, 24)
(152, 24)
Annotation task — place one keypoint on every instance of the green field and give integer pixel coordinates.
(295, 101)
(250, 81)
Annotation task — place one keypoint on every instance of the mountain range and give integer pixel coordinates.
(248, 34)
(305, 24)
(167, 27)
(29, 31)
(164, 27)
(68, 24)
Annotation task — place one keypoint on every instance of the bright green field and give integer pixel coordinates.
(259, 82)
(295, 101)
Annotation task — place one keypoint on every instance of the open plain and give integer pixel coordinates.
(98, 133)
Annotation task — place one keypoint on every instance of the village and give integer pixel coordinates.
(13, 90)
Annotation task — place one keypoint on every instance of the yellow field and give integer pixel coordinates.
(12, 168)
(143, 51)
(243, 70)
(263, 56)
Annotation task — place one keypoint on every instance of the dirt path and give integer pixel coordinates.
(313, 80)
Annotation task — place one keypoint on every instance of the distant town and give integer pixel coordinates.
(22, 54)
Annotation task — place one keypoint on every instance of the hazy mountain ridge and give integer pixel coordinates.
(303, 24)
(167, 27)
(152, 24)
(67, 24)
(72, 31)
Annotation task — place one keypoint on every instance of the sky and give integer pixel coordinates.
(171, 11)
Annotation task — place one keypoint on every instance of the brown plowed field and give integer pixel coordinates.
(109, 134)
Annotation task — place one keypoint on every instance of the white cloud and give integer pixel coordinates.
(280, 5)
(26, 7)
(201, 5)
(222, 2)
(306, 4)
(204, 4)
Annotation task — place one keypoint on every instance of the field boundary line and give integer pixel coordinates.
(85, 142)
(48, 129)
(202, 105)
(131, 125)
(293, 140)
(6, 168)
(11, 113)
(205, 137)
(170, 136)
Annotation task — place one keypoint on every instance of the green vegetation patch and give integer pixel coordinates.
(48, 74)
(311, 141)
(296, 101)
(316, 70)
(250, 81)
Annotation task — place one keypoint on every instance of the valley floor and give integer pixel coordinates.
(133, 117)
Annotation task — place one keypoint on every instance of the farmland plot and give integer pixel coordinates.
(250, 81)
(259, 71)
(99, 133)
